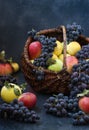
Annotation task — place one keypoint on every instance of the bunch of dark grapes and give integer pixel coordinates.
(81, 67)
(41, 61)
(61, 106)
(79, 78)
(83, 54)
(8, 78)
(48, 45)
(73, 31)
(39, 74)
(32, 33)
(80, 118)
(17, 111)
(64, 106)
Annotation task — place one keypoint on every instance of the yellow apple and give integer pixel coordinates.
(58, 49)
(73, 48)
(10, 91)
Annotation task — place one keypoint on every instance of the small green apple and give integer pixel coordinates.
(57, 66)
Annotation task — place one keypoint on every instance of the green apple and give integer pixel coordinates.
(57, 66)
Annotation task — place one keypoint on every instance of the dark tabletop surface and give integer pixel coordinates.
(17, 17)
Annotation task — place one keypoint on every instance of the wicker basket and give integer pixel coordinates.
(54, 82)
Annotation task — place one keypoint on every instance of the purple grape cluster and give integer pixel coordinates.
(80, 118)
(73, 31)
(79, 78)
(18, 112)
(41, 61)
(61, 105)
(32, 33)
(48, 45)
(39, 74)
(64, 106)
(83, 54)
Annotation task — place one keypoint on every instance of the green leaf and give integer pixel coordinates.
(17, 91)
(23, 86)
(2, 55)
(84, 93)
(50, 61)
(7, 84)
(10, 60)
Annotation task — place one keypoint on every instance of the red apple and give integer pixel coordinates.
(5, 69)
(70, 62)
(34, 49)
(84, 104)
(29, 99)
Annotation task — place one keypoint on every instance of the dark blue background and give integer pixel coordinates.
(17, 17)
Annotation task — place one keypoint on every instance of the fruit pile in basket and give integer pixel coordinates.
(49, 56)
(47, 52)
(7, 66)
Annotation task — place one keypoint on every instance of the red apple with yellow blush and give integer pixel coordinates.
(70, 62)
(5, 69)
(29, 99)
(34, 50)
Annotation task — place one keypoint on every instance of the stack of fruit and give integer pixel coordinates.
(7, 66)
(17, 104)
(47, 52)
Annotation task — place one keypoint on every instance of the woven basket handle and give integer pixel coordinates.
(64, 46)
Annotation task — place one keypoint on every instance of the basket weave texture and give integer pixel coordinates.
(54, 82)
